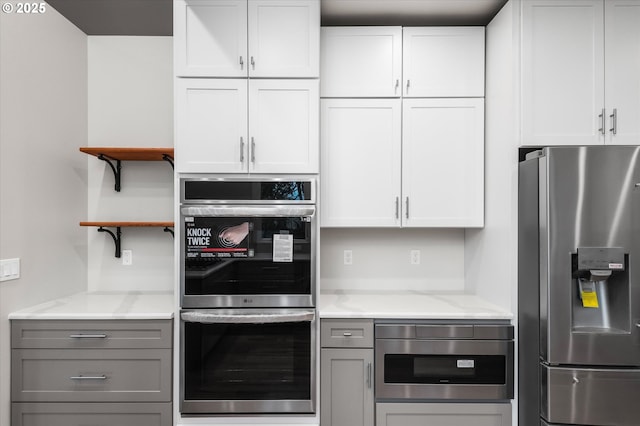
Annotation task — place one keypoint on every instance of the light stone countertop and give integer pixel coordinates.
(407, 305)
(103, 305)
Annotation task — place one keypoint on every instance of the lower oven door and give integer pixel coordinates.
(247, 361)
(444, 369)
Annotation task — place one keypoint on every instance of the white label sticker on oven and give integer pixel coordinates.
(465, 363)
(282, 247)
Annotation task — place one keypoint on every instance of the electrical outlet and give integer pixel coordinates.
(415, 257)
(9, 269)
(127, 257)
(348, 257)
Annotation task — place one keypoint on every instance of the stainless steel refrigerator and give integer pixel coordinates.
(579, 286)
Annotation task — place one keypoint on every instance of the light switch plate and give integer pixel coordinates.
(9, 269)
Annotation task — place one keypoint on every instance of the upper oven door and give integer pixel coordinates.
(247, 256)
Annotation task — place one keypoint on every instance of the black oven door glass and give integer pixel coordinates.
(450, 369)
(247, 361)
(247, 255)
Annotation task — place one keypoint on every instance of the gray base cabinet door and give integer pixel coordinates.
(93, 414)
(449, 414)
(346, 387)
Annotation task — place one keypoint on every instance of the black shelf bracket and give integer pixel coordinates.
(117, 239)
(169, 230)
(117, 170)
(168, 159)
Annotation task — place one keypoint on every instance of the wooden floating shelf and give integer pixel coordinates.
(117, 154)
(129, 224)
(117, 236)
(130, 154)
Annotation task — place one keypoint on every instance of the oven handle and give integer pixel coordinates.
(249, 211)
(240, 317)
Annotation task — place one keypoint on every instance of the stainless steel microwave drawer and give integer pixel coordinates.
(346, 333)
(86, 375)
(91, 413)
(107, 334)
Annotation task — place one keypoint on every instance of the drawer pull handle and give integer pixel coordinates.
(347, 334)
(88, 336)
(103, 377)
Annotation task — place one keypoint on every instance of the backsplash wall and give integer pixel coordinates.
(381, 259)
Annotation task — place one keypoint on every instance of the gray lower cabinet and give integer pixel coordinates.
(447, 414)
(346, 373)
(97, 372)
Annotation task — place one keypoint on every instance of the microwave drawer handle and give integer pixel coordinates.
(247, 318)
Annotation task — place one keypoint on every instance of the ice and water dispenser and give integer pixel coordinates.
(601, 301)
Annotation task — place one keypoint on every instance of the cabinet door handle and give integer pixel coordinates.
(253, 150)
(347, 334)
(395, 89)
(369, 371)
(614, 121)
(88, 336)
(102, 377)
(408, 84)
(241, 63)
(407, 212)
(601, 117)
(397, 207)
(241, 149)
(253, 63)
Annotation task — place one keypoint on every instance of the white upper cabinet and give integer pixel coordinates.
(443, 162)
(562, 72)
(284, 38)
(210, 38)
(283, 126)
(211, 125)
(247, 38)
(622, 71)
(361, 62)
(580, 72)
(379, 62)
(411, 163)
(361, 162)
(443, 62)
(247, 126)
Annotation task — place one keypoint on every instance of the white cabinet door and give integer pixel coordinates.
(361, 62)
(361, 150)
(443, 61)
(283, 126)
(562, 72)
(211, 125)
(443, 162)
(622, 71)
(284, 38)
(210, 38)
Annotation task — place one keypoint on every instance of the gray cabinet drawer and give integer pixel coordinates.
(107, 334)
(449, 414)
(347, 333)
(94, 414)
(85, 375)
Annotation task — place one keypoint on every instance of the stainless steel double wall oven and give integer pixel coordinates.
(248, 280)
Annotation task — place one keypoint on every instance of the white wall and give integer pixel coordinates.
(381, 259)
(491, 252)
(131, 105)
(43, 188)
